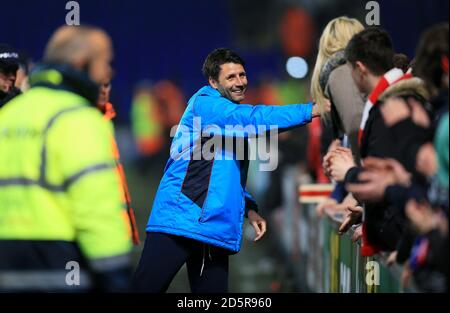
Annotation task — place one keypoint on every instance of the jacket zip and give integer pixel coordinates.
(200, 219)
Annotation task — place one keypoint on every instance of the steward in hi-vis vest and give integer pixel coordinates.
(62, 225)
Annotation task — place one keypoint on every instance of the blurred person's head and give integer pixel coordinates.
(401, 61)
(171, 100)
(9, 63)
(23, 71)
(104, 93)
(224, 70)
(431, 62)
(103, 99)
(85, 48)
(143, 87)
(370, 55)
(335, 38)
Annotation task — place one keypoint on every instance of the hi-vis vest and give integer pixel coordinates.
(109, 113)
(57, 174)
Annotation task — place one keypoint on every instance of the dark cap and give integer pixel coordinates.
(9, 58)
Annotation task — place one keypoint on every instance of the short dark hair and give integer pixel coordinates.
(433, 45)
(8, 68)
(211, 66)
(373, 48)
(401, 61)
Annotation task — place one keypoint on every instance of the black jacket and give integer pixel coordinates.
(384, 223)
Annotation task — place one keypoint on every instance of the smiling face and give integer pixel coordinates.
(232, 82)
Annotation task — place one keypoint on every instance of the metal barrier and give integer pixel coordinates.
(330, 262)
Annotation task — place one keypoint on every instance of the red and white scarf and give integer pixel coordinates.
(388, 79)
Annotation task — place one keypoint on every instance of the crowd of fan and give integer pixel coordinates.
(389, 154)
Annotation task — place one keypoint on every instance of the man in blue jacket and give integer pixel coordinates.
(201, 202)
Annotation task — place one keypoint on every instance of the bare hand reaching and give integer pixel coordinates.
(258, 223)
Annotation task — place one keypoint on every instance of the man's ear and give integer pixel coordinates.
(82, 64)
(213, 82)
(362, 68)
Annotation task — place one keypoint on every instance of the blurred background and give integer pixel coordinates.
(159, 50)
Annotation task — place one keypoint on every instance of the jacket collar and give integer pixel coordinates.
(334, 62)
(209, 91)
(65, 77)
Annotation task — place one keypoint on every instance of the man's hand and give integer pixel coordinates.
(392, 258)
(372, 189)
(422, 216)
(390, 168)
(258, 223)
(426, 162)
(316, 111)
(341, 160)
(348, 201)
(378, 174)
(394, 110)
(357, 234)
(351, 218)
(419, 115)
(327, 158)
(405, 276)
(329, 202)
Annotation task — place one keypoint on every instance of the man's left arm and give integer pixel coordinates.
(251, 211)
(250, 203)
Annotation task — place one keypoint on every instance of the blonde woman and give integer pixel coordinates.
(332, 80)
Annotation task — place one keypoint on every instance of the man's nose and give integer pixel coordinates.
(239, 82)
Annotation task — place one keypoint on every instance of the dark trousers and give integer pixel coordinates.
(164, 255)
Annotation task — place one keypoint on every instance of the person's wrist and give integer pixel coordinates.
(347, 168)
(251, 213)
(315, 110)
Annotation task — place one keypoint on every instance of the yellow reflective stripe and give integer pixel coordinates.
(43, 165)
(42, 181)
(88, 170)
(49, 76)
(23, 181)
